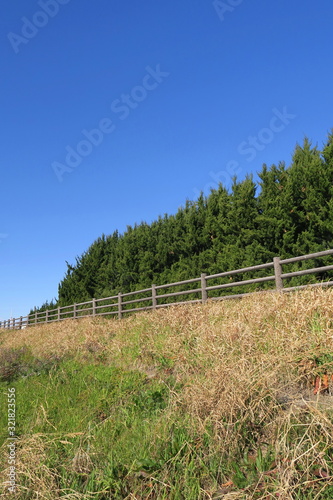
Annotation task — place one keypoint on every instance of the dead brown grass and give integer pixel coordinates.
(30, 463)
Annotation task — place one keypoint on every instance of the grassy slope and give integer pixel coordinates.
(191, 402)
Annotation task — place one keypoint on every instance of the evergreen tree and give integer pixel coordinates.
(291, 215)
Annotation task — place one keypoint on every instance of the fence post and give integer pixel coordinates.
(46, 316)
(119, 306)
(20, 325)
(204, 295)
(58, 313)
(153, 296)
(74, 311)
(94, 307)
(36, 317)
(13, 324)
(278, 272)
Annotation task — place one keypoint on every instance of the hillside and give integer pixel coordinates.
(191, 402)
(288, 212)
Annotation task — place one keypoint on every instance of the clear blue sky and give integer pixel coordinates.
(184, 94)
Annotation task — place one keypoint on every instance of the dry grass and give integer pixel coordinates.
(246, 369)
(30, 464)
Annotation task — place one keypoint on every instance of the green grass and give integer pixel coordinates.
(108, 430)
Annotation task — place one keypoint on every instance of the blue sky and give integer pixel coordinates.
(116, 112)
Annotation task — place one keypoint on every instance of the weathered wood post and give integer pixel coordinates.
(94, 307)
(119, 306)
(153, 296)
(204, 295)
(74, 311)
(20, 324)
(47, 316)
(58, 313)
(278, 272)
(36, 316)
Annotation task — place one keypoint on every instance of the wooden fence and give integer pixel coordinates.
(124, 303)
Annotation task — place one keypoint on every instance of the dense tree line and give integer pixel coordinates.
(289, 212)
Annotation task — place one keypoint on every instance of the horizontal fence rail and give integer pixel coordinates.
(123, 303)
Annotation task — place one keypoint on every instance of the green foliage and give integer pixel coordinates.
(108, 431)
(292, 214)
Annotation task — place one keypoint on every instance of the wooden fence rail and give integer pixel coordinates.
(123, 303)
